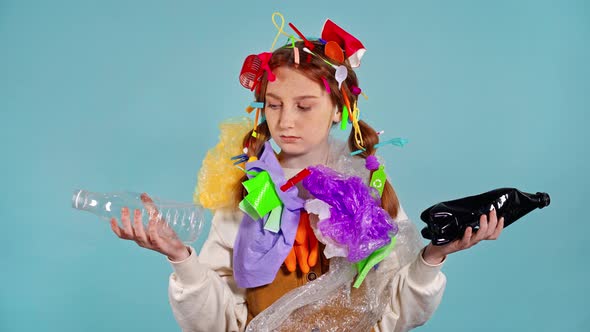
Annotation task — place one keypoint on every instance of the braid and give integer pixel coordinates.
(255, 145)
(389, 200)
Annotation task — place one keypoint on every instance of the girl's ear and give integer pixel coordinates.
(337, 115)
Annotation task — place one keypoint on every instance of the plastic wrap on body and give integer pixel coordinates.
(217, 176)
(330, 303)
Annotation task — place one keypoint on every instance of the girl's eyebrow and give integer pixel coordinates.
(270, 94)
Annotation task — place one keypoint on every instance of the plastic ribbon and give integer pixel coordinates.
(353, 115)
(394, 141)
(279, 29)
(358, 136)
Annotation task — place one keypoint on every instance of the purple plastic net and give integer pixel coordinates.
(357, 220)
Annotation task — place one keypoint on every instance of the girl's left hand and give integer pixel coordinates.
(488, 230)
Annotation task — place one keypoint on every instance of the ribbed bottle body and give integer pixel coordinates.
(184, 219)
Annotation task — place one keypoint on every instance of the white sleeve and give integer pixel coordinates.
(417, 290)
(202, 291)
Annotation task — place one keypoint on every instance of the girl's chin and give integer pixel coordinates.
(291, 151)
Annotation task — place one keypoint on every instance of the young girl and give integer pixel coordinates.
(251, 271)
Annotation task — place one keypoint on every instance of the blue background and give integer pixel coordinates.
(127, 95)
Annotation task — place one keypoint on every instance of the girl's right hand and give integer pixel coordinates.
(159, 237)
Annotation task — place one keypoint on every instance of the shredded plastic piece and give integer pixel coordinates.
(217, 177)
(330, 303)
(357, 219)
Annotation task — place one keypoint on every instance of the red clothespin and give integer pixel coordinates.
(307, 43)
(296, 179)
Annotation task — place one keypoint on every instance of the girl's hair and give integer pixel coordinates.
(315, 68)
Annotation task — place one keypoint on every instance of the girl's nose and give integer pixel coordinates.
(287, 119)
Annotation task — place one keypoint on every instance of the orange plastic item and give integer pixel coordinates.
(305, 247)
(347, 103)
(333, 51)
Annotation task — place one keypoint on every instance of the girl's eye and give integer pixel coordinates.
(273, 106)
(303, 108)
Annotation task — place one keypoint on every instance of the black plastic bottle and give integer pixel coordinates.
(448, 221)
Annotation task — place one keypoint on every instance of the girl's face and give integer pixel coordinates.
(299, 113)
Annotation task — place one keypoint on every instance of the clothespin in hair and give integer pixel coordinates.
(307, 43)
(295, 50)
(296, 179)
(239, 159)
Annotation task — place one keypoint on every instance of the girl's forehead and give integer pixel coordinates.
(291, 83)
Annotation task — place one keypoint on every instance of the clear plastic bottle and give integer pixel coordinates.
(185, 219)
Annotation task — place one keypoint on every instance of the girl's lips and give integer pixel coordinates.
(289, 139)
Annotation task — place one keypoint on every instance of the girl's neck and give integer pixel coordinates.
(318, 156)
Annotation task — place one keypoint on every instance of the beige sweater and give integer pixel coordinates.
(204, 296)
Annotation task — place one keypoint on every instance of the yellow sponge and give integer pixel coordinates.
(218, 177)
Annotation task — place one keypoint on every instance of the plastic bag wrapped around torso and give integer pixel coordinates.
(330, 303)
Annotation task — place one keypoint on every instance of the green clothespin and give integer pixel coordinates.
(344, 120)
